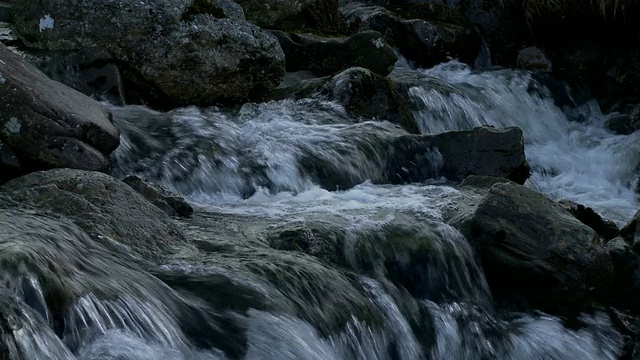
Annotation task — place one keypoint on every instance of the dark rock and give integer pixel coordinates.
(319, 15)
(200, 70)
(171, 204)
(631, 232)
(482, 151)
(171, 53)
(327, 56)
(366, 95)
(606, 229)
(625, 124)
(486, 182)
(370, 96)
(5, 12)
(106, 208)
(46, 124)
(532, 58)
(425, 43)
(534, 253)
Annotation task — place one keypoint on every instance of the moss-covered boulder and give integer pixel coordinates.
(534, 253)
(106, 208)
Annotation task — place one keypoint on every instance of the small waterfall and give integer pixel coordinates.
(577, 161)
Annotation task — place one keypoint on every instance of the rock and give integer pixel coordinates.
(483, 181)
(625, 124)
(289, 15)
(5, 12)
(46, 124)
(106, 208)
(534, 253)
(370, 96)
(171, 204)
(366, 95)
(484, 151)
(425, 43)
(327, 56)
(606, 229)
(172, 53)
(631, 232)
(532, 58)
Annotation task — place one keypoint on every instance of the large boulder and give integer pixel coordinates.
(106, 208)
(534, 253)
(171, 204)
(172, 52)
(291, 15)
(483, 151)
(45, 124)
(329, 55)
(425, 43)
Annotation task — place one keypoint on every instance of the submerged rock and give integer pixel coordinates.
(44, 124)
(171, 204)
(534, 253)
(329, 55)
(173, 52)
(106, 208)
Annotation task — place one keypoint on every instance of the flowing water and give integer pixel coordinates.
(302, 252)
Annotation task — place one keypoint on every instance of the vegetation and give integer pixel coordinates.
(535, 9)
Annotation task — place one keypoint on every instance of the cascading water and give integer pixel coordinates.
(570, 160)
(299, 256)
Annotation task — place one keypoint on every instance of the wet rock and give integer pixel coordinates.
(106, 208)
(532, 58)
(5, 12)
(364, 94)
(631, 232)
(370, 96)
(171, 53)
(534, 253)
(290, 15)
(45, 124)
(171, 204)
(487, 182)
(250, 61)
(398, 251)
(606, 229)
(625, 124)
(326, 56)
(484, 151)
(425, 43)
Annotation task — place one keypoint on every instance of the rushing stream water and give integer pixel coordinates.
(242, 294)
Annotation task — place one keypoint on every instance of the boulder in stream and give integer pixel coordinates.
(423, 42)
(329, 55)
(171, 204)
(45, 124)
(171, 53)
(289, 15)
(106, 208)
(534, 253)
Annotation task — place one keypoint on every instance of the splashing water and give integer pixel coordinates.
(570, 160)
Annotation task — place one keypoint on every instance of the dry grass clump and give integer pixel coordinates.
(534, 9)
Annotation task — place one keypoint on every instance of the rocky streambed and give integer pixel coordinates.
(332, 180)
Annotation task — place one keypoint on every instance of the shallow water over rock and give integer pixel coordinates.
(279, 265)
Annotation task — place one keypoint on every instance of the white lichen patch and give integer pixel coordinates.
(378, 43)
(46, 23)
(13, 126)
(2, 80)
